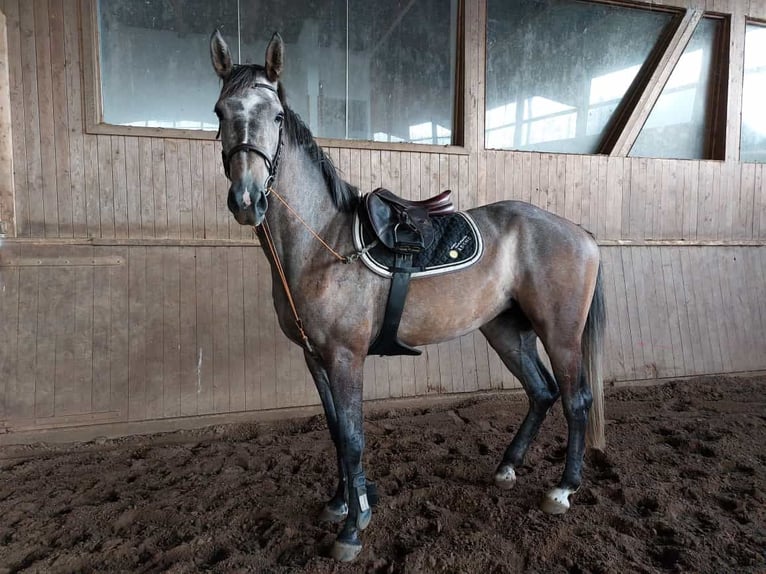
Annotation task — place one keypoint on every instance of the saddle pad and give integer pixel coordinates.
(457, 245)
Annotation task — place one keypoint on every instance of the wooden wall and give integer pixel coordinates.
(129, 293)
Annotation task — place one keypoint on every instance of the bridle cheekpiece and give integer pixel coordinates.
(272, 163)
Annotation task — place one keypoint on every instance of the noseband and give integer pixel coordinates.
(271, 163)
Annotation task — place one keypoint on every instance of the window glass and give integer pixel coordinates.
(679, 123)
(753, 112)
(558, 69)
(354, 69)
(155, 61)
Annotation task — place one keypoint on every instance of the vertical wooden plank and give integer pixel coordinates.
(172, 191)
(66, 392)
(105, 185)
(267, 321)
(100, 393)
(707, 200)
(688, 337)
(45, 113)
(92, 200)
(675, 309)
(119, 336)
(204, 276)
(137, 326)
(60, 117)
(49, 297)
(171, 335)
(196, 159)
(184, 191)
(752, 282)
(72, 70)
(635, 274)
(20, 400)
(618, 311)
(700, 342)
(146, 168)
(711, 349)
(237, 349)
(82, 360)
(9, 338)
(727, 324)
(160, 190)
(16, 88)
(251, 345)
(691, 199)
(35, 200)
(663, 345)
(154, 333)
(220, 291)
(746, 203)
(759, 213)
(133, 186)
(614, 193)
(208, 183)
(573, 187)
(188, 353)
(224, 220)
(119, 187)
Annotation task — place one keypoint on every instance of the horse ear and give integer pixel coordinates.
(220, 55)
(274, 57)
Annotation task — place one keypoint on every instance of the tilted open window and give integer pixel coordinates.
(566, 76)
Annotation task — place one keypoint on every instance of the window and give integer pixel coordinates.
(753, 146)
(680, 121)
(355, 69)
(557, 70)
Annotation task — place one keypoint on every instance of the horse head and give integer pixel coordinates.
(251, 114)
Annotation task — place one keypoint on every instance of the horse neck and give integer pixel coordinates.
(301, 185)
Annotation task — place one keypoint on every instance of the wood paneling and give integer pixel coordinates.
(182, 324)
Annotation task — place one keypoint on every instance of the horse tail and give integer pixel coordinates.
(592, 350)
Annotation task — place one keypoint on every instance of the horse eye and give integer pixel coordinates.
(280, 118)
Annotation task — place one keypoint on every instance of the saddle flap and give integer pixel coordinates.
(401, 229)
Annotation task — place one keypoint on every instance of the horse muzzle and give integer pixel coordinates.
(247, 203)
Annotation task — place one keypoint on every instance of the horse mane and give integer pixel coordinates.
(344, 196)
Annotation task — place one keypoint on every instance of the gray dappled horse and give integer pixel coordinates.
(539, 276)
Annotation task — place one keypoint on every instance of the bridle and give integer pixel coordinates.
(272, 163)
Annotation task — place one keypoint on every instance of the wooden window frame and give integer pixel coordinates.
(93, 104)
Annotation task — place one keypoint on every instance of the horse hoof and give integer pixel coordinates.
(334, 514)
(556, 501)
(345, 551)
(505, 477)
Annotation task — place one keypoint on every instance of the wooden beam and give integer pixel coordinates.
(657, 80)
(7, 203)
(736, 66)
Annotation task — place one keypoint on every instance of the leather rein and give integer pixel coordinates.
(272, 163)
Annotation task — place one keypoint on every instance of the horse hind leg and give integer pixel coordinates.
(576, 400)
(516, 343)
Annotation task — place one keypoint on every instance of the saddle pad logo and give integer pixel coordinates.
(458, 245)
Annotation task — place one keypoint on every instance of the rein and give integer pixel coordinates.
(271, 165)
(346, 259)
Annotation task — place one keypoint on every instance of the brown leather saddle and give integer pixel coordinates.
(405, 227)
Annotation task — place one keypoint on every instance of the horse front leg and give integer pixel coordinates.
(336, 509)
(345, 375)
